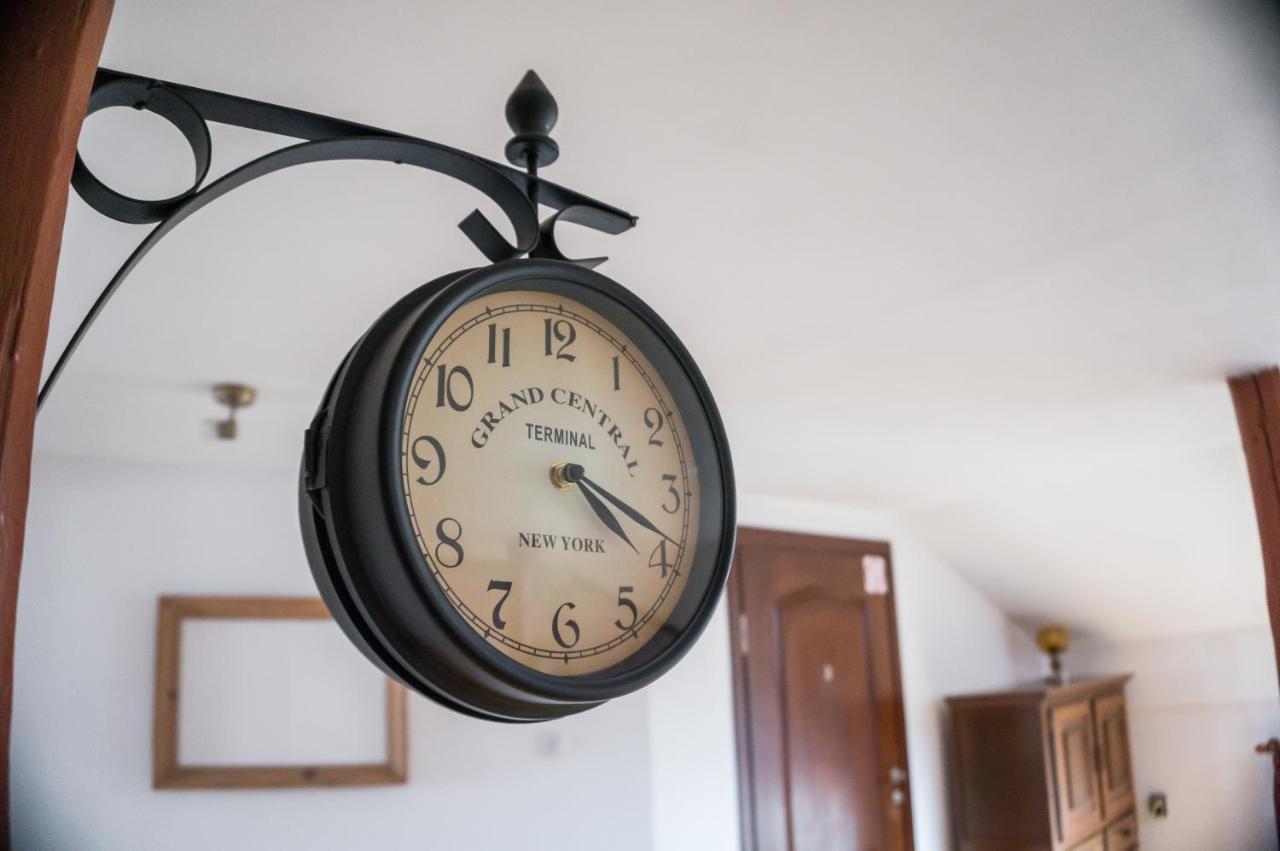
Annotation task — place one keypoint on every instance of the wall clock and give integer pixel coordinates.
(516, 496)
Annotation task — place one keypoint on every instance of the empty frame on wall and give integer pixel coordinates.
(264, 692)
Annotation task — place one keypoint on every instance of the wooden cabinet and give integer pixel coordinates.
(1043, 768)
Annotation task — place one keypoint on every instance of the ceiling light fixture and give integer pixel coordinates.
(235, 397)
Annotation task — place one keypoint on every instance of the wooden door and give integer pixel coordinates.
(821, 740)
(1075, 775)
(1113, 752)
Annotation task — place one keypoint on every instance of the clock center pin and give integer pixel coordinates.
(560, 476)
(565, 475)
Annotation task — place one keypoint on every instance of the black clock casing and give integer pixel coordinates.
(356, 531)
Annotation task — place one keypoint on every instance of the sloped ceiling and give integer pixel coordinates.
(984, 265)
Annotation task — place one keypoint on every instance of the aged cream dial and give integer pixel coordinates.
(549, 481)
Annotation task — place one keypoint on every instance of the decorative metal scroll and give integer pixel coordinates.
(516, 193)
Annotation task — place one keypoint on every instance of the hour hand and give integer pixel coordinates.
(602, 511)
(636, 516)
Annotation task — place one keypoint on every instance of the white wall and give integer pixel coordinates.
(1197, 706)
(691, 740)
(655, 770)
(103, 540)
(951, 639)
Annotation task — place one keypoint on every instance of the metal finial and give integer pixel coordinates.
(531, 114)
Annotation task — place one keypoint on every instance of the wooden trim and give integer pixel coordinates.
(168, 773)
(897, 715)
(764, 538)
(741, 720)
(1047, 753)
(48, 55)
(1041, 693)
(397, 765)
(1257, 402)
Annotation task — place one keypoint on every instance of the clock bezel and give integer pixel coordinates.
(622, 308)
(360, 545)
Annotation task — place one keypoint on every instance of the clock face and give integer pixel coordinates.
(549, 481)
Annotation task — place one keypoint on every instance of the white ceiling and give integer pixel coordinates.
(983, 265)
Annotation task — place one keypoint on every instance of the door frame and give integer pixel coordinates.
(752, 537)
(48, 57)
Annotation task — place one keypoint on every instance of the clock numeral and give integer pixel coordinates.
(624, 602)
(653, 419)
(449, 543)
(445, 386)
(493, 345)
(505, 588)
(570, 625)
(659, 558)
(671, 489)
(417, 452)
(560, 331)
(617, 379)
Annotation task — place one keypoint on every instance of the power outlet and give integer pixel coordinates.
(1158, 805)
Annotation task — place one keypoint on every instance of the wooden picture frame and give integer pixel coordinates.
(169, 773)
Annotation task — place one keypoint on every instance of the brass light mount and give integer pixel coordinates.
(235, 397)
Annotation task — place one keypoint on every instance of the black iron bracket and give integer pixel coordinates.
(531, 113)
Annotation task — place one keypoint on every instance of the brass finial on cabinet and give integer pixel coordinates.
(1055, 640)
(235, 397)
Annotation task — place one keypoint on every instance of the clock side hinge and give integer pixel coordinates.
(744, 644)
(313, 451)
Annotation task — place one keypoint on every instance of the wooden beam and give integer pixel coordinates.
(1257, 401)
(48, 55)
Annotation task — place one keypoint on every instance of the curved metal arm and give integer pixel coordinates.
(410, 151)
(188, 108)
(583, 215)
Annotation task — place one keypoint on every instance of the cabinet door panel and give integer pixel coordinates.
(1113, 741)
(1075, 774)
(1122, 835)
(1095, 844)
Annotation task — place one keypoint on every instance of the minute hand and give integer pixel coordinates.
(605, 516)
(627, 510)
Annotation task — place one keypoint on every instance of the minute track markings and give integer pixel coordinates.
(426, 364)
(666, 589)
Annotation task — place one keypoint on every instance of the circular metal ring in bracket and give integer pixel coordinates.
(173, 108)
(459, 165)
